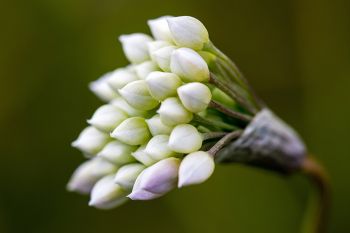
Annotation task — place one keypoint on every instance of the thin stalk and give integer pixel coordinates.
(229, 112)
(235, 72)
(223, 142)
(316, 218)
(230, 92)
(213, 123)
(212, 135)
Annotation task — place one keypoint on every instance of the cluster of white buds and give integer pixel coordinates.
(163, 113)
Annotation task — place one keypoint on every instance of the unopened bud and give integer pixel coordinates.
(194, 96)
(106, 194)
(102, 90)
(162, 57)
(143, 69)
(172, 112)
(117, 152)
(162, 85)
(195, 168)
(142, 156)
(107, 117)
(127, 174)
(133, 131)
(189, 32)
(156, 126)
(91, 140)
(156, 180)
(138, 96)
(120, 103)
(88, 173)
(155, 45)
(158, 148)
(160, 28)
(189, 65)
(185, 138)
(135, 47)
(120, 77)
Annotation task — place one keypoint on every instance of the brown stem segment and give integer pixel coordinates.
(213, 135)
(317, 175)
(230, 112)
(223, 141)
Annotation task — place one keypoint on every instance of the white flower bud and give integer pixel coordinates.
(189, 32)
(133, 131)
(185, 138)
(120, 103)
(160, 28)
(172, 112)
(162, 57)
(107, 117)
(106, 194)
(141, 156)
(189, 65)
(156, 180)
(162, 85)
(127, 174)
(158, 148)
(143, 69)
(138, 96)
(195, 168)
(91, 140)
(120, 77)
(117, 152)
(195, 96)
(156, 126)
(102, 90)
(155, 45)
(135, 47)
(88, 173)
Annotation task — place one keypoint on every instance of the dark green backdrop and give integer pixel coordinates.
(295, 53)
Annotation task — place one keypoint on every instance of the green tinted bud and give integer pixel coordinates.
(158, 148)
(189, 65)
(107, 117)
(127, 175)
(162, 85)
(132, 131)
(156, 126)
(185, 138)
(106, 194)
(194, 96)
(172, 112)
(138, 96)
(117, 152)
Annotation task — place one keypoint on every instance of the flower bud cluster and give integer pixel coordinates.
(144, 141)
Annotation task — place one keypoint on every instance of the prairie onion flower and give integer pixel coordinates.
(179, 107)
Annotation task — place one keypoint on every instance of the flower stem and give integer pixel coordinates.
(213, 123)
(225, 88)
(317, 215)
(218, 106)
(212, 135)
(223, 141)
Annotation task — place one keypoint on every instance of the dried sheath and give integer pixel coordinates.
(267, 142)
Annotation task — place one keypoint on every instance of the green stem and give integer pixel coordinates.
(230, 92)
(229, 112)
(317, 214)
(213, 123)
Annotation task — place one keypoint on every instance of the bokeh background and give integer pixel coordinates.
(296, 53)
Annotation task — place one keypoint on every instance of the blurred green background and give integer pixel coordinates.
(295, 53)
